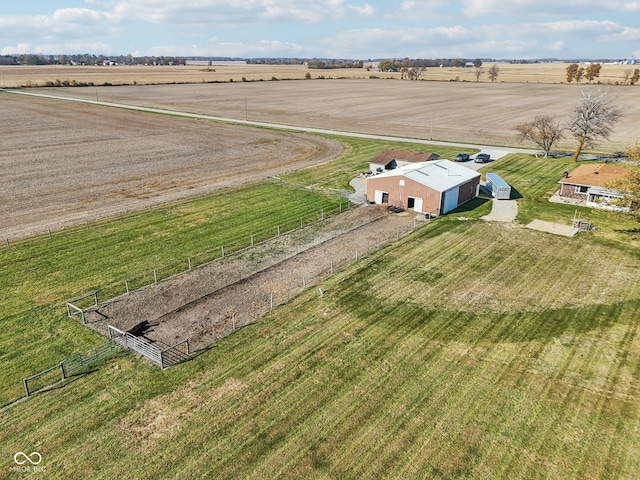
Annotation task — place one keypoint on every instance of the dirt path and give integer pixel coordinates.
(205, 304)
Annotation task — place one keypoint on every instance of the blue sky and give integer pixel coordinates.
(358, 29)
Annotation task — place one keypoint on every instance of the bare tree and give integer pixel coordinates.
(593, 118)
(416, 72)
(493, 72)
(627, 75)
(477, 65)
(543, 131)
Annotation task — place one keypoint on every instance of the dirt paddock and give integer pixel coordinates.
(205, 304)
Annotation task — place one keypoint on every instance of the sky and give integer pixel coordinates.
(354, 29)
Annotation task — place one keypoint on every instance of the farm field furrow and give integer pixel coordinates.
(463, 112)
(66, 163)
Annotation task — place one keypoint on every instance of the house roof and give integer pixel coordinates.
(439, 175)
(389, 154)
(594, 175)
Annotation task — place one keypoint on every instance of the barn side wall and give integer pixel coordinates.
(398, 194)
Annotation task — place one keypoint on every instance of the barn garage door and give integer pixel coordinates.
(415, 203)
(381, 197)
(450, 200)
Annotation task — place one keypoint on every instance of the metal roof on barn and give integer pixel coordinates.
(439, 175)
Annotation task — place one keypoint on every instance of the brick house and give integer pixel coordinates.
(588, 184)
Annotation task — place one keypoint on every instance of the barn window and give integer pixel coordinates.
(401, 182)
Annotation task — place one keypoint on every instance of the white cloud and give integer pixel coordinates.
(556, 46)
(427, 11)
(528, 8)
(235, 12)
(19, 49)
(261, 48)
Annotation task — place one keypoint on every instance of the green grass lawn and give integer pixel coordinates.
(40, 275)
(465, 350)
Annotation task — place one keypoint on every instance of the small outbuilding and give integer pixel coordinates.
(497, 187)
(391, 158)
(433, 188)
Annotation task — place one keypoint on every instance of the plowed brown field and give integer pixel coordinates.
(64, 163)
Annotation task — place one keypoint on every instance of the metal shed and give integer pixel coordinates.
(499, 189)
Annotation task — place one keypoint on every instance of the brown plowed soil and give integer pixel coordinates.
(64, 163)
(206, 303)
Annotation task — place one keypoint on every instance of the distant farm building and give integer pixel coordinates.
(588, 184)
(435, 187)
(390, 159)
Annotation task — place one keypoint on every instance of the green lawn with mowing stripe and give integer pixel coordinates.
(466, 350)
(40, 275)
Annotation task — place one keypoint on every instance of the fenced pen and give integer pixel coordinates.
(313, 265)
(161, 357)
(160, 271)
(67, 367)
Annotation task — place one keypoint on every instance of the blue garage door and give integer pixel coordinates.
(450, 200)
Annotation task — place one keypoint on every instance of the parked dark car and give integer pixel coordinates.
(483, 158)
(462, 157)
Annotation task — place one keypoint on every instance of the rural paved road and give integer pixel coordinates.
(494, 151)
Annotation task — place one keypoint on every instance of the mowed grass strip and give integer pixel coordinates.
(356, 384)
(393, 372)
(38, 277)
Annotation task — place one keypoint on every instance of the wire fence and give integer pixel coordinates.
(67, 367)
(50, 233)
(248, 309)
(162, 270)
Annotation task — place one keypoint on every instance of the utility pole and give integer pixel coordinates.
(433, 113)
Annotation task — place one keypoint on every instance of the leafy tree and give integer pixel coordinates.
(572, 70)
(493, 72)
(477, 63)
(592, 119)
(543, 131)
(629, 185)
(579, 74)
(636, 76)
(593, 71)
(633, 153)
